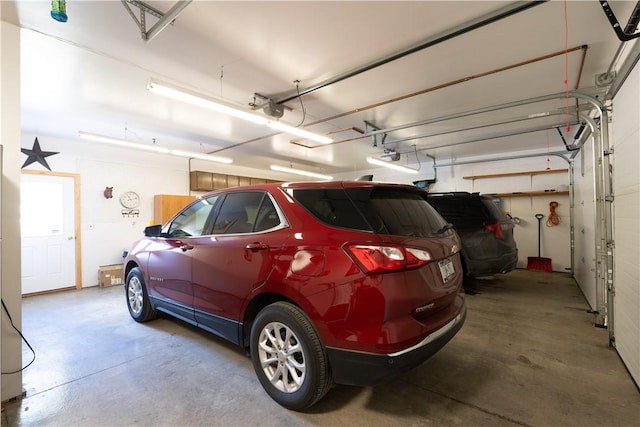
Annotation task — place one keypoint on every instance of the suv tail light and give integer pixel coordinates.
(495, 228)
(384, 259)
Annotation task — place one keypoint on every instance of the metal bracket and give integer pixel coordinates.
(370, 127)
(270, 108)
(629, 31)
(163, 19)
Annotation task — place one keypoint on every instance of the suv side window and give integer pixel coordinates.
(192, 221)
(331, 206)
(267, 217)
(238, 212)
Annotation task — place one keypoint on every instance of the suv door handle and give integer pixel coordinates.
(257, 246)
(185, 247)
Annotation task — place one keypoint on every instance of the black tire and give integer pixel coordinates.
(137, 297)
(282, 336)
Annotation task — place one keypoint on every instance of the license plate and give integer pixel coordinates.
(446, 269)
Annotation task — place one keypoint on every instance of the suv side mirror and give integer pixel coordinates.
(153, 230)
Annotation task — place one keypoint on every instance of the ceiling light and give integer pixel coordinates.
(378, 162)
(194, 98)
(299, 132)
(157, 149)
(301, 172)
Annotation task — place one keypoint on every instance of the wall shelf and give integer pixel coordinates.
(527, 193)
(529, 173)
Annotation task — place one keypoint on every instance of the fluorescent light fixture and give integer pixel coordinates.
(156, 149)
(301, 172)
(378, 162)
(200, 100)
(299, 132)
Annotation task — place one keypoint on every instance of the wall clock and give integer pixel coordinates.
(130, 199)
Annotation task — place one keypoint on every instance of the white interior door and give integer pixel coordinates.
(47, 224)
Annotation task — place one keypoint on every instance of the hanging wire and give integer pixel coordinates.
(4, 307)
(304, 110)
(415, 149)
(221, 77)
(128, 131)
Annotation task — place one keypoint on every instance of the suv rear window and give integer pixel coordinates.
(378, 209)
(467, 211)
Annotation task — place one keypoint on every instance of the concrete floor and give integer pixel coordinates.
(528, 355)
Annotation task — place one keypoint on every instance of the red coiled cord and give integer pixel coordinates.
(553, 219)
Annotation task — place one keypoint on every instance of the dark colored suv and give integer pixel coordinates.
(486, 233)
(324, 282)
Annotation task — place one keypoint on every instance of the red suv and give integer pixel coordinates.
(324, 282)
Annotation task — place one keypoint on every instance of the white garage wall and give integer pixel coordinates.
(626, 189)
(555, 240)
(105, 233)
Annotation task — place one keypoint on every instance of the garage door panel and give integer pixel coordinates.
(626, 308)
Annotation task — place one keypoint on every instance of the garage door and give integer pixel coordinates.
(626, 138)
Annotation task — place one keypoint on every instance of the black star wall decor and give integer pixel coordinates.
(37, 155)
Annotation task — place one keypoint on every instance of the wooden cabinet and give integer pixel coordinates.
(219, 181)
(233, 181)
(201, 181)
(166, 206)
(207, 181)
(244, 180)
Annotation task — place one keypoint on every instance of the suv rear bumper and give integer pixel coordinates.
(490, 266)
(361, 369)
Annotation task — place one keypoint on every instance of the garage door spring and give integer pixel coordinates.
(553, 219)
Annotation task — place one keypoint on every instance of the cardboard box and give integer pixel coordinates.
(110, 275)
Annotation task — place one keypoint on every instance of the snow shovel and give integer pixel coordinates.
(539, 263)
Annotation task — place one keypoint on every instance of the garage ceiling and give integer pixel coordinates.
(90, 74)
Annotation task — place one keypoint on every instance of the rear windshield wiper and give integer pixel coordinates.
(447, 226)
